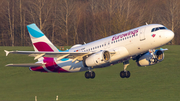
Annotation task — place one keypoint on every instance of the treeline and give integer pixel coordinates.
(68, 22)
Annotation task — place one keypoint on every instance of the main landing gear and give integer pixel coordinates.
(125, 73)
(90, 74)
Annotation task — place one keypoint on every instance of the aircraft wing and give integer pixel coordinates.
(58, 55)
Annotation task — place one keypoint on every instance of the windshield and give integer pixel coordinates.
(158, 28)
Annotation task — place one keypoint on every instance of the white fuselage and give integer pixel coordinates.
(125, 44)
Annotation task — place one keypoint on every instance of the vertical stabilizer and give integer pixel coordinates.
(39, 40)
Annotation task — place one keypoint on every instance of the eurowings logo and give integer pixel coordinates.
(153, 35)
(125, 34)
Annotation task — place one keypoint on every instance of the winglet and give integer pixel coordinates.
(8, 65)
(7, 52)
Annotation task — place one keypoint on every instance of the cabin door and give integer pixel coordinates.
(142, 34)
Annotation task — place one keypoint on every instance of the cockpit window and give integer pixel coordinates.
(153, 30)
(162, 28)
(158, 28)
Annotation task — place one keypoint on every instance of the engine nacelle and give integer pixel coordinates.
(97, 59)
(147, 59)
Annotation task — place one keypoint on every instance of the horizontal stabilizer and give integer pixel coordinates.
(25, 65)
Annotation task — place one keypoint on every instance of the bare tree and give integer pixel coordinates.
(21, 21)
(78, 21)
(66, 7)
(11, 20)
(170, 16)
(39, 11)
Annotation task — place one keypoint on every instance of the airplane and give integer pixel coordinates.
(139, 44)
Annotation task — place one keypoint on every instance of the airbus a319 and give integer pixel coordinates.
(139, 44)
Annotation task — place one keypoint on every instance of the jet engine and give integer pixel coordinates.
(148, 58)
(97, 59)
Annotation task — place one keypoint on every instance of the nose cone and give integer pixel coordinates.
(169, 35)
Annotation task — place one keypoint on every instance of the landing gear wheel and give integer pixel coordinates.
(128, 74)
(87, 75)
(90, 75)
(124, 74)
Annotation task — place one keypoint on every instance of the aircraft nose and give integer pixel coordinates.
(169, 35)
